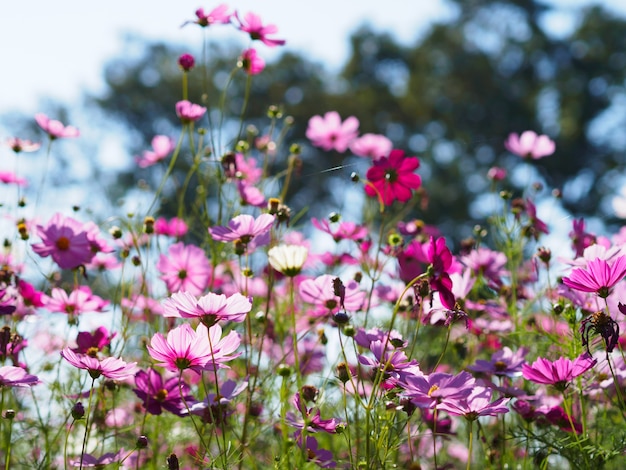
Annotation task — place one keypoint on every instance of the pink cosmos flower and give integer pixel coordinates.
(189, 112)
(558, 373)
(478, 403)
(253, 25)
(599, 276)
(310, 418)
(66, 241)
(8, 177)
(80, 300)
(250, 195)
(209, 308)
(237, 166)
(530, 145)
(22, 145)
(175, 227)
(344, 231)
(322, 294)
(428, 391)
(185, 268)
(89, 461)
(504, 362)
(218, 15)
(251, 63)
(162, 146)
(373, 146)
(158, 394)
(245, 229)
(329, 132)
(393, 177)
(109, 367)
(487, 263)
(55, 129)
(11, 376)
(496, 173)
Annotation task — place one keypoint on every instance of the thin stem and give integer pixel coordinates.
(470, 444)
(85, 435)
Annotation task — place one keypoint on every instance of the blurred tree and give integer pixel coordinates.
(452, 99)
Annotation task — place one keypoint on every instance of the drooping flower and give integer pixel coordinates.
(55, 129)
(580, 238)
(252, 24)
(530, 145)
(251, 62)
(109, 367)
(162, 146)
(11, 376)
(288, 259)
(393, 178)
(185, 268)
(245, 230)
(209, 308)
(558, 373)
(189, 112)
(599, 276)
(372, 146)
(66, 240)
(158, 394)
(602, 324)
(329, 132)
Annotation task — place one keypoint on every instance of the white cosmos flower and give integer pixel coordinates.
(288, 259)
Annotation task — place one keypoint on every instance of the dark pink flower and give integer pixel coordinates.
(66, 241)
(218, 15)
(93, 343)
(11, 376)
(55, 129)
(558, 373)
(185, 268)
(580, 238)
(372, 146)
(530, 145)
(253, 25)
(329, 132)
(22, 145)
(599, 276)
(158, 394)
(109, 367)
(8, 177)
(183, 348)
(189, 112)
(162, 146)
(175, 227)
(251, 62)
(496, 173)
(393, 178)
(209, 308)
(186, 62)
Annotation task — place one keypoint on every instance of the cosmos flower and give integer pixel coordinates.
(109, 367)
(599, 276)
(219, 15)
(11, 376)
(393, 177)
(251, 62)
(252, 24)
(329, 132)
(287, 259)
(246, 230)
(209, 308)
(530, 145)
(189, 112)
(55, 129)
(158, 394)
(478, 403)
(558, 373)
(162, 146)
(321, 293)
(185, 268)
(22, 145)
(372, 146)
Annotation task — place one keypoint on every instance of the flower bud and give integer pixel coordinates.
(186, 62)
(142, 442)
(78, 411)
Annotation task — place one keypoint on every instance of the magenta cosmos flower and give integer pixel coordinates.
(185, 268)
(372, 146)
(246, 230)
(478, 403)
(189, 112)
(251, 62)
(393, 177)
(55, 129)
(209, 308)
(253, 25)
(162, 146)
(66, 240)
(219, 15)
(109, 367)
(558, 373)
(174, 227)
(599, 276)
(8, 177)
(530, 145)
(11, 376)
(428, 391)
(329, 132)
(158, 394)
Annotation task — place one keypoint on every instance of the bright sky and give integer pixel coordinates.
(57, 48)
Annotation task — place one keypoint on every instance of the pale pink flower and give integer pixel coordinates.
(250, 195)
(11, 376)
(245, 229)
(478, 403)
(253, 25)
(109, 367)
(22, 145)
(185, 268)
(373, 146)
(189, 112)
(162, 146)
(329, 132)
(80, 300)
(209, 308)
(322, 294)
(251, 62)
(55, 129)
(530, 145)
